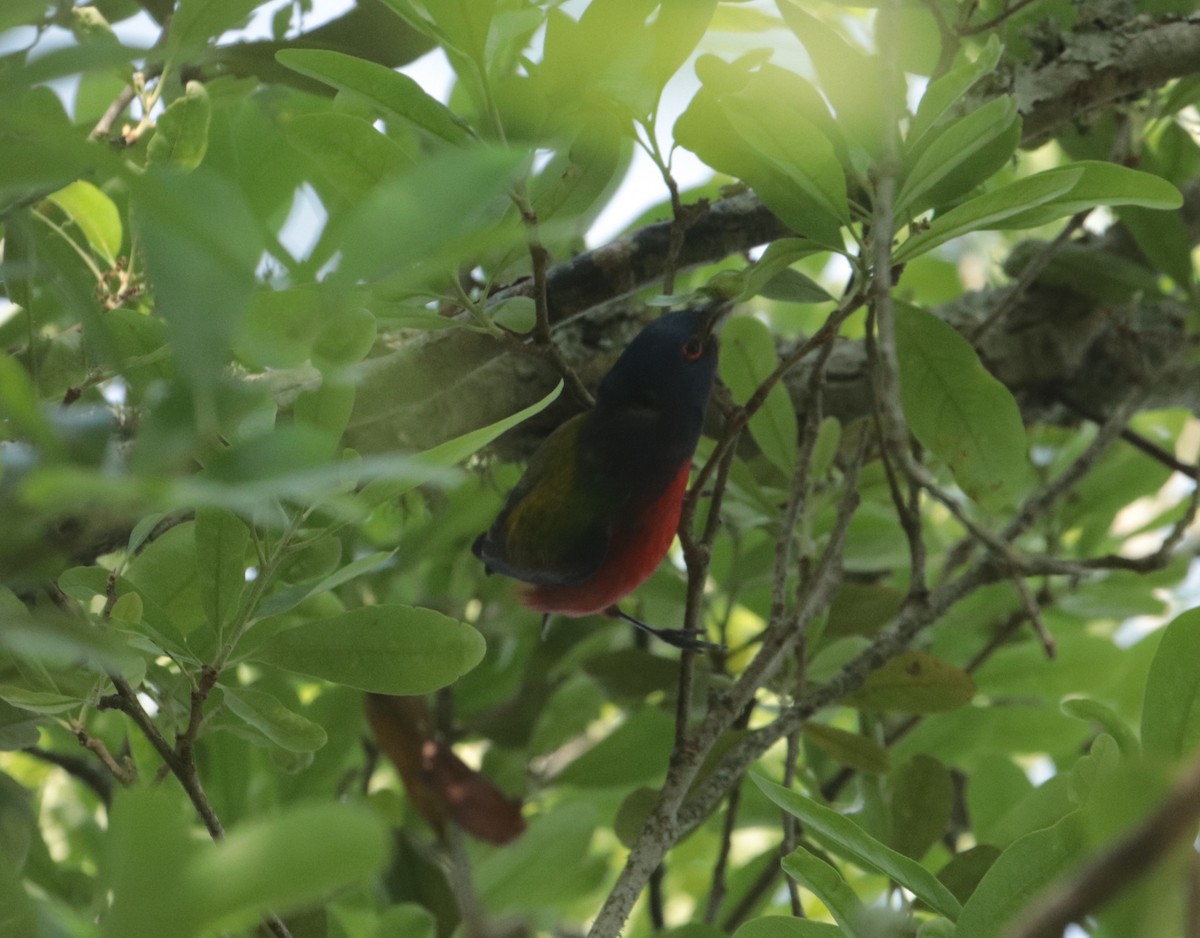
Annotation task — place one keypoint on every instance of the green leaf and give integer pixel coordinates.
(147, 851)
(1093, 711)
(959, 411)
(1099, 184)
(257, 471)
(275, 721)
(202, 247)
(852, 79)
(181, 133)
(576, 183)
(1085, 664)
(166, 574)
(1044, 197)
(198, 21)
(515, 313)
(552, 859)
(942, 93)
(792, 145)
(450, 208)
(1020, 726)
(694, 930)
(850, 749)
(69, 644)
(271, 863)
(39, 151)
(1171, 706)
(20, 411)
(783, 926)
(1164, 239)
(96, 216)
(279, 328)
(18, 728)
(791, 286)
(922, 799)
(38, 701)
(455, 451)
(1020, 873)
(826, 883)
(632, 814)
(327, 408)
(293, 596)
(408, 919)
(345, 338)
(381, 649)
(21, 12)
(915, 682)
(221, 541)
(391, 91)
(350, 153)
(633, 753)
(965, 870)
(778, 257)
(988, 211)
(706, 128)
(955, 145)
(747, 357)
(861, 847)
(18, 826)
(678, 29)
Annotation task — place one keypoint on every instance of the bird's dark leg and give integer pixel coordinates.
(680, 638)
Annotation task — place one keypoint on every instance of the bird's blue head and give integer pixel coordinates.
(668, 367)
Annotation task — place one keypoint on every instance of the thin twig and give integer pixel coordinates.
(740, 418)
(750, 899)
(716, 893)
(909, 622)
(666, 823)
(126, 700)
(1033, 612)
(1038, 503)
(124, 772)
(104, 126)
(907, 508)
(949, 40)
(1137, 441)
(540, 259)
(697, 556)
(655, 903)
(94, 778)
(995, 20)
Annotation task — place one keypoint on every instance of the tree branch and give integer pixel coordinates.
(1169, 827)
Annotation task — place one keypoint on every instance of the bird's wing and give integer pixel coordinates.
(555, 526)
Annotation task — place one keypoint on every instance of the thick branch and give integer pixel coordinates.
(1097, 68)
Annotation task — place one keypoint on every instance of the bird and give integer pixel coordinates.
(600, 500)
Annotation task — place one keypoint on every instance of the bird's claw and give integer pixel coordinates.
(686, 639)
(689, 641)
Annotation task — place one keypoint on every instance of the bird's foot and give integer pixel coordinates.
(686, 639)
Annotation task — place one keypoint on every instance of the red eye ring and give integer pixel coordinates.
(693, 349)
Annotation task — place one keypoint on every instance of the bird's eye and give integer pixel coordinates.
(693, 349)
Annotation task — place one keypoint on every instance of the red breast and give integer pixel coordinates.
(636, 550)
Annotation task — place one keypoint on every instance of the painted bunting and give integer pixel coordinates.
(599, 503)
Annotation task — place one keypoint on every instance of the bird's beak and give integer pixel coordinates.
(712, 314)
